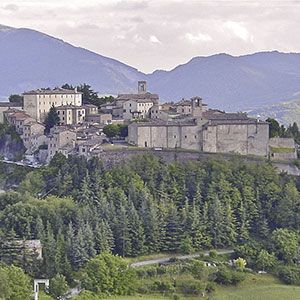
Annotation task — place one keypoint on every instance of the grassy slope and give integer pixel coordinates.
(255, 287)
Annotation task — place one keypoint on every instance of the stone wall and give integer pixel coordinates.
(244, 139)
(282, 148)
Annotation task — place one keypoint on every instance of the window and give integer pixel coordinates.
(185, 136)
(83, 149)
(174, 136)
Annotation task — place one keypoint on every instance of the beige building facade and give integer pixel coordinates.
(37, 103)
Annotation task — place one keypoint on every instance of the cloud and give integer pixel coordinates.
(153, 39)
(238, 29)
(199, 37)
(154, 34)
(11, 7)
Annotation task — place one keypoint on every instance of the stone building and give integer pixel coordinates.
(203, 130)
(37, 103)
(33, 136)
(60, 140)
(6, 106)
(71, 114)
(17, 119)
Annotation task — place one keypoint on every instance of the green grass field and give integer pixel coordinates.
(255, 287)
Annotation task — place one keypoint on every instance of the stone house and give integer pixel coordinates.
(18, 119)
(33, 136)
(60, 140)
(6, 106)
(71, 114)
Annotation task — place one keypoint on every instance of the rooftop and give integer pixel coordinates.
(10, 104)
(147, 96)
(50, 91)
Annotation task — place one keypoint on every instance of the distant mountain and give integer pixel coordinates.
(284, 112)
(233, 82)
(30, 59)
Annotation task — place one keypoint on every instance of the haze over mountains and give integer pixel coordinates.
(30, 59)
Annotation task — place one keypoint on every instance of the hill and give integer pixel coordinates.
(233, 82)
(31, 59)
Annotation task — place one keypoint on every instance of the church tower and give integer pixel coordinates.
(196, 107)
(142, 87)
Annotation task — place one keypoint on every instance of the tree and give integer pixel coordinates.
(108, 274)
(51, 119)
(265, 260)
(88, 95)
(15, 98)
(14, 283)
(58, 286)
(285, 244)
(274, 128)
(111, 130)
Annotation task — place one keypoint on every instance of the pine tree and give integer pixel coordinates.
(50, 252)
(104, 240)
(173, 231)
(136, 232)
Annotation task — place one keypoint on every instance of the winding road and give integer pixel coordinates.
(180, 257)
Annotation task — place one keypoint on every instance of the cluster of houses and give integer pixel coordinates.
(187, 124)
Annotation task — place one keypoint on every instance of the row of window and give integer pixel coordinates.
(58, 96)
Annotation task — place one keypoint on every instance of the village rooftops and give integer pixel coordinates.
(50, 91)
(219, 118)
(174, 122)
(147, 96)
(184, 102)
(20, 116)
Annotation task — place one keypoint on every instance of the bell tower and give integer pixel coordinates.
(142, 87)
(196, 107)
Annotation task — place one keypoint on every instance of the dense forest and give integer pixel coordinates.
(78, 210)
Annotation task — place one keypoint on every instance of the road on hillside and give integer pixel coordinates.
(180, 257)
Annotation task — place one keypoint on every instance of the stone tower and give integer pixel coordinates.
(196, 107)
(142, 87)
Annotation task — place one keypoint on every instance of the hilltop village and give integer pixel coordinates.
(187, 124)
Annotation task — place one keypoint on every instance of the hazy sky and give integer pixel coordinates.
(160, 34)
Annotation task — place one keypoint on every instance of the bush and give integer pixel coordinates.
(191, 286)
(164, 286)
(213, 254)
(289, 275)
(176, 297)
(58, 286)
(228, 277)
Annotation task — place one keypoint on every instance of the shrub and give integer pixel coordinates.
(213, 254)
(190, 286)
(289, 275)
(164, 286)
(228, 277)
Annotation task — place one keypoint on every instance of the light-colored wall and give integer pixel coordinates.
(237, 138)
(131, 106)
(185, 137)
(38, 106)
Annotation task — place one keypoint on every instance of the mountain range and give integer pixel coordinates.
(30, 59)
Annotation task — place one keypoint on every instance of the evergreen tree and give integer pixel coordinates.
(51, 119)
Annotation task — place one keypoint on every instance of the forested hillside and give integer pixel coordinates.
(78, 210)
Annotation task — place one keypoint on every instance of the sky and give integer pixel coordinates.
(161, 34)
